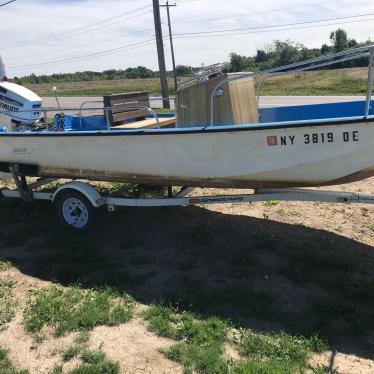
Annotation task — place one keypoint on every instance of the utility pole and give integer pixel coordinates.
(161, 55)
(167, 6)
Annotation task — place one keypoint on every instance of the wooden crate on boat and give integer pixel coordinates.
(131, 99)
(236, 103)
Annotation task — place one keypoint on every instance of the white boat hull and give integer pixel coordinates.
(241, 156)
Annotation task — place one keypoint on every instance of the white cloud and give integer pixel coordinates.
(27, 20)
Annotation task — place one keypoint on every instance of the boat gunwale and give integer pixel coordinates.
(202, 130)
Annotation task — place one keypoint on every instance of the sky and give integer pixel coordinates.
(61, 36)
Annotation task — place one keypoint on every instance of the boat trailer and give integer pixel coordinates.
(78, 201)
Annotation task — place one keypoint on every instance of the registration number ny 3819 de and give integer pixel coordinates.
(313, 138)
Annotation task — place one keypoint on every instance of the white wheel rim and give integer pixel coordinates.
(75, 213)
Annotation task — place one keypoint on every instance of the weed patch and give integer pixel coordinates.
(7, 303)
(200, 345)
(164, 321)
(103, 367)
(282, 349)
(270, 203)
(76, 309)
(71, 353)
(5, 265)
(93, 362)
(6, 366)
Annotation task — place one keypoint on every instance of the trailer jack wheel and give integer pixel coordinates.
(75, 210)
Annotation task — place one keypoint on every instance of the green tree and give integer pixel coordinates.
(325, 49)
(240, 63)
(339, 40)
(182, 70)
(261, 56)
(287, 52)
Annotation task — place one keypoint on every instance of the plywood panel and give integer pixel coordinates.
(149, 124)
(237, 103)
(243, 101)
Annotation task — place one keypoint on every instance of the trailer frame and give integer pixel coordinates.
(77, 200)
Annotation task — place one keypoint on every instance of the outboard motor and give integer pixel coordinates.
(20, 108)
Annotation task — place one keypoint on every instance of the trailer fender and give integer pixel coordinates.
(85, 189)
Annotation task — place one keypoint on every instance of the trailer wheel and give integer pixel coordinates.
(75, 210)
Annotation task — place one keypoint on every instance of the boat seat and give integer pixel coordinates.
(126, 104)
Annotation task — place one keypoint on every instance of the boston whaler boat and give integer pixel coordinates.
(221, 139)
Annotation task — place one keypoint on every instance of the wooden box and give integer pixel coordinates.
(235, 104)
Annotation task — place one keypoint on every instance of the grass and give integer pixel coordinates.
(200, 345)
(93, 362)
(75, 309)
(265, 276)
(102, 367)
(7, 303)
(324, 82)
(71, 353)
(201, 341)
(287, 351)
(132, 190)
(100, 88)
(5, 265)
(6, 367)
(270, 203)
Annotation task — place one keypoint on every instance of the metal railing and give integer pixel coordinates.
(370, 83)
(82, 109)
(351, 54)
(84, 104)
(123, 107)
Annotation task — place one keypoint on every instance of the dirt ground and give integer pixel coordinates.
(303, 268)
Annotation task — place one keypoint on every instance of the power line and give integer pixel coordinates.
(87, 56)
(256, 13)
(8, 2)
(273, 30)
(96, 42)
(89, 26)
(94, 28)
(79, 30)
(271, 26)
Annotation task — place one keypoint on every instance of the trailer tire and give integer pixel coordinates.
(75, 210)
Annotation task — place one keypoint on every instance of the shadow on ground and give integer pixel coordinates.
(258, 273)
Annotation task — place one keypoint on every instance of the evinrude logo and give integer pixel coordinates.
(8, 107)
(22, 150)
(9, 104)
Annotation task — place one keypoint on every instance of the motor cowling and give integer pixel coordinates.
(20, 108)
